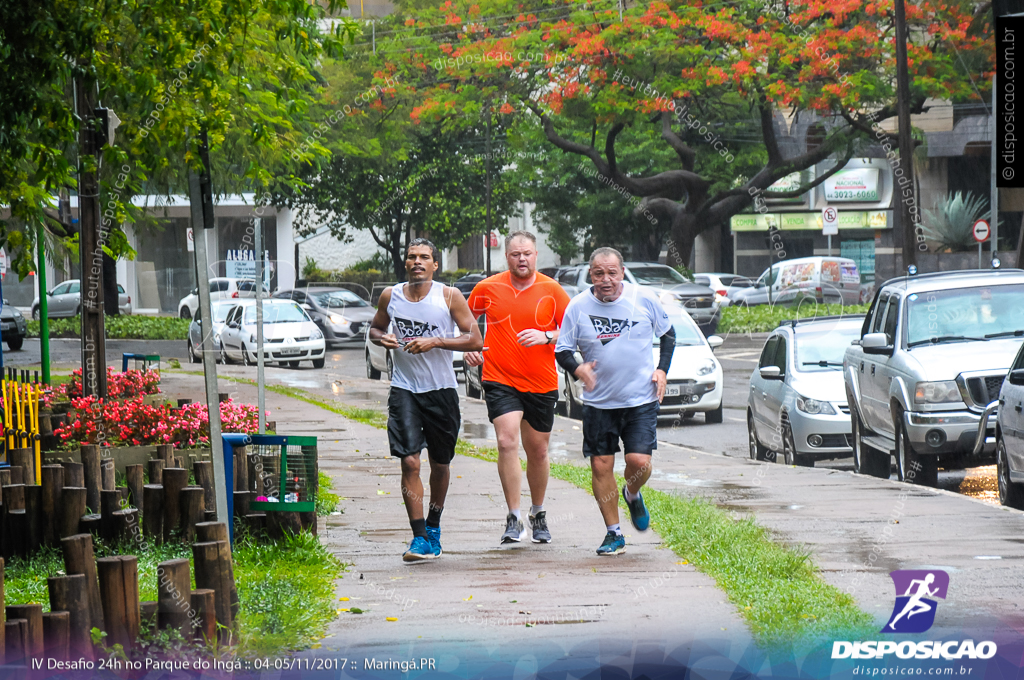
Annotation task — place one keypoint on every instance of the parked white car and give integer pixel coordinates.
(829, 280)
(694, 378)
(289, 335)
(219, 312)
(221, 288)
(66, 300)
(724, 285)
(378, 359)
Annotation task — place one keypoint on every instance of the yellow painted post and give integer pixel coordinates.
(35, 394)
(21, 415)
(9, 412)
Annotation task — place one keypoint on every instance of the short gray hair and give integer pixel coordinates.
(519, 234)
(604, 251)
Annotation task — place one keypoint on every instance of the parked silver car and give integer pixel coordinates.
(1010, 436)
(66, 300)
(797, 404)
(933, 353)
(218, 312)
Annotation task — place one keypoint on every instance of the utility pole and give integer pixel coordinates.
(44, 305)
(261, 393)
(90, 245)
(487, 236)
(993, 215)
(201, 199)
(906, 142)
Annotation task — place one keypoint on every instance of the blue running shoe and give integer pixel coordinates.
(614, 544)
(419, 550)
(434, 536)
(638, 514)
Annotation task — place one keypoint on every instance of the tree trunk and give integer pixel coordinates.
(110, 294)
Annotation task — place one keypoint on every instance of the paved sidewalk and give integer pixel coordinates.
(480, 592)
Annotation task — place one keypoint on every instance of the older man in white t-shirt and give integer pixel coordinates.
(614, 325)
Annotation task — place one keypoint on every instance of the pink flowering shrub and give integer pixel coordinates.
(132, 423)
(119, 386)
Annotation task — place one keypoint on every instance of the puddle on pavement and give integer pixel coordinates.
(980, 483)
(293, 382)
(478, 430)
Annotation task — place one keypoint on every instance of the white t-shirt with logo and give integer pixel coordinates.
(619, 336)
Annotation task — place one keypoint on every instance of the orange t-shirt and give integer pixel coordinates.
(509, 311)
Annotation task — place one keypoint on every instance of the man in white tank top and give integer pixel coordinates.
(423, 404)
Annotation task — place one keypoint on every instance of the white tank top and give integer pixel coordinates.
(430, 317)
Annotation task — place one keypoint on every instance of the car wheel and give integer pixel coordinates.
(78, 310)
(572, 407)
(246, 361)
(687, 415)
(910, 466)
(473, 388)
(293, 364)
(192, 356)
(1011, 494)
(35, 313)
(866, 460)
(789, 452)
(224, 358)
(713, 417)
(184, 313)
(391, 368)
(319, 363)
(757, 452)
(371, 372)
(16, 342)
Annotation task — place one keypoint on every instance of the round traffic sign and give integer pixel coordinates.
(830, 214)
(981, 231)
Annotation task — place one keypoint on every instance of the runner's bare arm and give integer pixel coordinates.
(533, 336)
(379, 326)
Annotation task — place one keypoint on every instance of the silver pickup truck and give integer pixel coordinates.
(932, 355)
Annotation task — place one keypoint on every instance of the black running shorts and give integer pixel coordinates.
(538, 408)
(637, 427)
(428, 419)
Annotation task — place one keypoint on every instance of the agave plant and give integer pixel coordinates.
(951, 224)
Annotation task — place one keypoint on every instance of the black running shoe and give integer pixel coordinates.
(539, 527)
(515, 532)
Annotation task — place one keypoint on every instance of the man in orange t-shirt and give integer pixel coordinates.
(524, 310)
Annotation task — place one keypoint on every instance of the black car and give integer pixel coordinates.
(467, 283)
(338, 312)
(12, 326)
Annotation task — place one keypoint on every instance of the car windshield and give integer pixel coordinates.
(276, 313)
(657, 276)
(978, 312)
(687, 335)
(822, 349)
(220, 312)
(339, 298)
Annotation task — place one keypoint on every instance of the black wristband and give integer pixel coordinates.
(567, 361)
(668, 346)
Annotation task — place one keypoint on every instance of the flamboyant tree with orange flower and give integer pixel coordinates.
(688, 69)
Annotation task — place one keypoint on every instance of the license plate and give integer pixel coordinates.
(6, 326)
(672, 391)
(290, 352)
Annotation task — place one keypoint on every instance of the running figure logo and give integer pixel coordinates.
(914, 612)
(408, 329)
(609, 329)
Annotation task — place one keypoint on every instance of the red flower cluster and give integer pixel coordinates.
(132, 423)
(119, 386)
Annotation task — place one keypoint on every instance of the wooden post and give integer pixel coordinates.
(33, 518)
(56, 634)
(191, 502)
(203, 606)
(53, 502)
(242, 499)
(73, 474)
(119, 590)
(156, 470)
(203, 470)
(254, 468)
(14, 496)
(69, 593)
(24, 458)
(241, 470)
(175, 479)
(206, 558)
(71, 511)
(133, 474)
(90, 524)
(218, 532)
(3, 642)
(16, 632)
(109, 504)
(174, 588)
(17, 474)
(91, 471)
(165, 452)
(153, 517)
(79, 559)
(33, 615)
(107, 477)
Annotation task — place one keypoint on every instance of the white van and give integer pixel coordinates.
(829, 280)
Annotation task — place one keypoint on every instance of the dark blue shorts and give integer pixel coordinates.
(636, 426)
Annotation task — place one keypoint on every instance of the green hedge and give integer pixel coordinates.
(764, 318)
(119, 328)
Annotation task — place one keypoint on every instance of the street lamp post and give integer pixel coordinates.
(906, 142)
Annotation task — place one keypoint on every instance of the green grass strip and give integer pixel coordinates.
(776, 589)
(763, 318)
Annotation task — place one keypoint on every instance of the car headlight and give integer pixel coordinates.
(338, 319)
(17, 313)
(942, 392)
(316, 334)
(815, 407)
(707, 367)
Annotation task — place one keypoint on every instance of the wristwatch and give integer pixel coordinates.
(549, 335)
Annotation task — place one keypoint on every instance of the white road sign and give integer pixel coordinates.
(829, 221)
(981, 231)
(190, 238)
